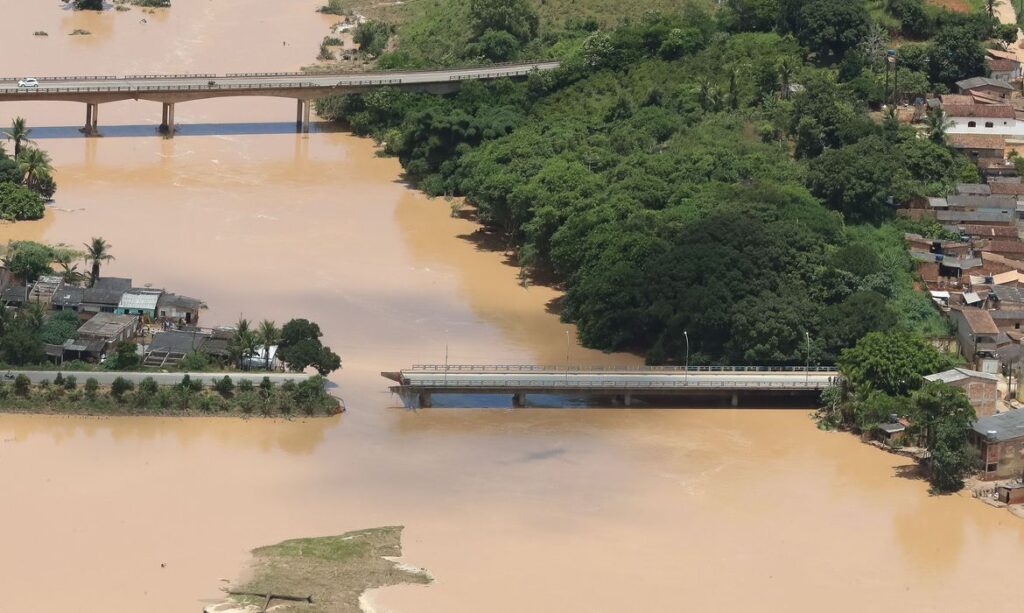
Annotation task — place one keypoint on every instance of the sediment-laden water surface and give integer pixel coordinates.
(510, 510)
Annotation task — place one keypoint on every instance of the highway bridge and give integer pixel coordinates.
(417, 385)
(300, 86)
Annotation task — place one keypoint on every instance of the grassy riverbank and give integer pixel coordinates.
(71, 396)
(334, 570)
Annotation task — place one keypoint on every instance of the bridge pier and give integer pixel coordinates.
(518, 399)
(424, 400)
(92, 112)
(167, 119)
(735, 400)
(302, 115)
(627, 399)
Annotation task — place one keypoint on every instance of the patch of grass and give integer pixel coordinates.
(334, 570)
(40, 33)
(79, 32)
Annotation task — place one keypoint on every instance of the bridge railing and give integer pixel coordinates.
(532, 368)
(101, 89)
(548, 384)
(527, 67)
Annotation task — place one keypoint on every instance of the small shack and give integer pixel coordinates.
(109, 328)
(1010, 493)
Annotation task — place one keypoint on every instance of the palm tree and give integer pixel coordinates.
(937, 122)
(786, 70)
(243, 342)
(34, 165)
(95, 252)
(69, 271)
(267, 334)
(18, 133)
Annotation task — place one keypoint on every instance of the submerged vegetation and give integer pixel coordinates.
(713, 173)
(333, 570)
(67, 394)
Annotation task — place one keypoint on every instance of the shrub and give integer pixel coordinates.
(196, 361)
(188, 385)
(40, 33)
(58, 380)
(120, 386)
(247, 400)
(245, 385)
(148, 387)
(205, 403)
(224, 386)
(18, 202)
(164, 398)
(22, 385)
(70, 382)
(266, 387)
(43, 384)
(92, 387)
(5, 390)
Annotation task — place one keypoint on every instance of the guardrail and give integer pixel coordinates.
(544, 384)
(510, 368)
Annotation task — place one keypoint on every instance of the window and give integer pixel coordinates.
(991, 468)
(988, 124)
(972, 124)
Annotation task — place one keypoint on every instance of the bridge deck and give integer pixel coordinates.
(421, 381)
(239, 83)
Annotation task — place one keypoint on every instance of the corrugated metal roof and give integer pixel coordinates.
(959, 374)
(139, 300)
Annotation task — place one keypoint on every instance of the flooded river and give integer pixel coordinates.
(511, 510)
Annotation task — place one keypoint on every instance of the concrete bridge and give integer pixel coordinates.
(417, 385)
(302, 87)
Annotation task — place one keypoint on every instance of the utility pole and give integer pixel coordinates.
(446, 364)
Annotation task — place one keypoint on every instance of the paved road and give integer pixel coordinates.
(170, 378)
(192, 82)
(602, 380)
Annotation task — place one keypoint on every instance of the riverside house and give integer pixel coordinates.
(1000, 441)
(980, 387)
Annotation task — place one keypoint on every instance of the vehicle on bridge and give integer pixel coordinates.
(28, 82)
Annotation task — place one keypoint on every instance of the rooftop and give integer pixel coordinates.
(1005, 293)
(984, 216)
(1003, 55)
(107, 325)
(1001, 65)
(989, 231)
(976, 141)
(974, 189)
(982, 82)
(140, 299)
(979, 321)
(113, 283)
(994, 111)
(1006, 187)
(1000, 246)
(177, 341)
(68, 296)
(981, 202)
(1001, 426)
(959, 374)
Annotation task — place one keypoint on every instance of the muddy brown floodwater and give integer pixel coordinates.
(511, 510)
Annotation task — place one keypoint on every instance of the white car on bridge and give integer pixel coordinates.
(28, 82)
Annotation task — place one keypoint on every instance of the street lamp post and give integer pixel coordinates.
(807, 365)
(567, 357)
(686, 372)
